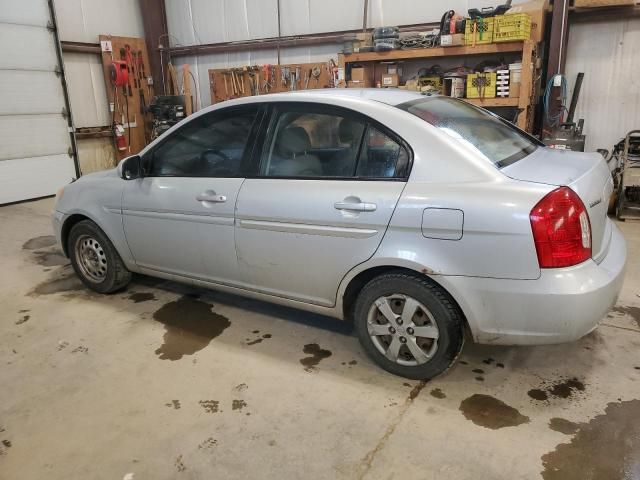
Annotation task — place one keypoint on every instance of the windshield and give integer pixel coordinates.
(492, 137)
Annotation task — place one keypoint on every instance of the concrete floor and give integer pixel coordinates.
(109, 386)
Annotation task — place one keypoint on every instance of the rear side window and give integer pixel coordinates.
(313, 141)
(493, 138)
(382, 157)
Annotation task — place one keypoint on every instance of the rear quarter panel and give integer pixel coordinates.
(496, 239)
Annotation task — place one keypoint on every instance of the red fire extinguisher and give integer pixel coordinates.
(118, 133)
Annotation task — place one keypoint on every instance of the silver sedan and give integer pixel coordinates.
(416, 217)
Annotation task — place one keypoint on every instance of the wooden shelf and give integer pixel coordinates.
(414, 53)
(494, 102)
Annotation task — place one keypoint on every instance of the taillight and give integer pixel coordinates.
(561, 229)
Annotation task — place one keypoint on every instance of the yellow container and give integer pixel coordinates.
(478, 31)
(511, 28)
(481, 85)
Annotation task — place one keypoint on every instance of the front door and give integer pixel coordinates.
(179, 217)
(329, 182)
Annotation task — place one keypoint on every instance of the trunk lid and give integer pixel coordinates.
(586, 174)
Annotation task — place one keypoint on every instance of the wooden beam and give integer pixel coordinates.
(156, 33)
(81, 47)
(558, 41)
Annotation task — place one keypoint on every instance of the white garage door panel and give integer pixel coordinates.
(26, 136)
(34, 177)
(27, 48)
(30, 92)
(32, 12)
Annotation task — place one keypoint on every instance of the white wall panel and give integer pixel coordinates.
(33, 12)
(33, 136)
(87, 90)
(26, 48)
(607, 53)
(44, 176)
(31, 92)
(84, 20)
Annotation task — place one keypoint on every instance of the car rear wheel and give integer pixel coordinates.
(408, 325)
(95, 259)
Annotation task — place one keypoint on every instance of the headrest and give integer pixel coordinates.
(350, 130)
(293, 141)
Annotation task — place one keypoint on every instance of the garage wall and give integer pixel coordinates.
(193, 22)
(607, 53)
(84, 21)
(35, 157)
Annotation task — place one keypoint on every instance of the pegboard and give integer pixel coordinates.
(135, 96)
(229, 83)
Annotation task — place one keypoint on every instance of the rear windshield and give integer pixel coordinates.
(492, 137)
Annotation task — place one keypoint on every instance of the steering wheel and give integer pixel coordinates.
(220, 165)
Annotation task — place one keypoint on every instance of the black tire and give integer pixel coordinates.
(445, 313)
(116, 276)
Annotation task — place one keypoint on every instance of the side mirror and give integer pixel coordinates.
(129, 168)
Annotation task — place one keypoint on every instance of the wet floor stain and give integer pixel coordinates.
(500, 365)
(180, 464)
(477, 370)
(316, 353)
(63, 280)
(489, 412)
(563, 425)
(480, 378)
(538, 394)
(264, 337)
(39, 242)
(463, 362)
(174, 403)
(23, 319)
(5, 445)
(633, 312)
(208, 444)
(488, 361)
(241, 387)
(438, 393)
(80, 349)
(139, 297)
(62, 345)
(210, 406)
(565, 388)
(607, 447)
(50, 259)
(190, 325)
(238, 404)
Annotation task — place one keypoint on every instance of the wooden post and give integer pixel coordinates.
(186, 86)
(526, 85)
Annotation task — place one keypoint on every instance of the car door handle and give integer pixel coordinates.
(213, 198)
(355, 207)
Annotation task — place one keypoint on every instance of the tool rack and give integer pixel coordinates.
(136, 95)
(229, 83)
(529, 83)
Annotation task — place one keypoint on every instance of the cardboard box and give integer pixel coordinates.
(390, 80)
(358, 74)
(359, 84)
(455, 40)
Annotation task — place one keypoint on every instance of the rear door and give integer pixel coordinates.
(179, 217)
(328, 183)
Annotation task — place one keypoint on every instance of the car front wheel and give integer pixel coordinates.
(408, 325)
(95, 259)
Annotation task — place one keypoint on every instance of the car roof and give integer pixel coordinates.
(389, 96)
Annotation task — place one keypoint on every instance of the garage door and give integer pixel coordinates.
(35, 145)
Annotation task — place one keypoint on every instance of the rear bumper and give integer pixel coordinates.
(560, 306)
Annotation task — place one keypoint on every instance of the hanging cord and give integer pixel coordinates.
(555, 119)
(195, 84)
